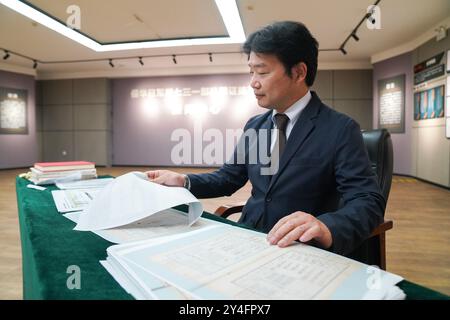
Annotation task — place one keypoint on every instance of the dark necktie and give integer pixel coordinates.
(281, 121)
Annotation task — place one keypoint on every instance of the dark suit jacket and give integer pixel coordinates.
(324, 162)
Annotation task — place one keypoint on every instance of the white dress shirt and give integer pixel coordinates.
(293, 113)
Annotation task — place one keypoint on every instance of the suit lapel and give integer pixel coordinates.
(302, 128)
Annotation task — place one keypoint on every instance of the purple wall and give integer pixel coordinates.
(20, 150)
(142, 126)
(402, 142)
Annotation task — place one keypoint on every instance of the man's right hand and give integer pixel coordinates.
(166, 177)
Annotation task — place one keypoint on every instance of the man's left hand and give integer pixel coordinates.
(300, 226)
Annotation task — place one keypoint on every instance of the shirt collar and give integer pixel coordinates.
(293, 112)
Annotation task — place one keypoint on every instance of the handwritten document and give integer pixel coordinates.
(224, 262)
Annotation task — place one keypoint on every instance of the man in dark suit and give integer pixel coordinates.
(323, 190)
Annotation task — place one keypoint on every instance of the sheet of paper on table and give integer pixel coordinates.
(132, 197)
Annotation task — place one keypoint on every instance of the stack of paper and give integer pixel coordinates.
(224, 262)
(147, 206)
(100, 206)
(52, 172)
(137, 281)
(132, 197)
(168, 254)
(164, 223)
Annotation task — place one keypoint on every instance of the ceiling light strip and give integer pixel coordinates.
(231, 18)
(165, 43)
(51, 23)
(227, 8)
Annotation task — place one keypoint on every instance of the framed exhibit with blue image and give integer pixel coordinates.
(429, 103)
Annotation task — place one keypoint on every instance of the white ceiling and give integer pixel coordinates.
(118, 20)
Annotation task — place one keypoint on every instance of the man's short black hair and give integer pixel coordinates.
(291, 42)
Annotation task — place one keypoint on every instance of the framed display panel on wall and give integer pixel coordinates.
(13, 111)
(448, 61)
(447, 128)
(429, 103)
(391, 104)
(447, 99)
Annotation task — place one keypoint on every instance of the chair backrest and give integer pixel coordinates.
(379, 148)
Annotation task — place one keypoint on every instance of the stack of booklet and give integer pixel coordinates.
(226, 262)
(51, 172)
(164, 253)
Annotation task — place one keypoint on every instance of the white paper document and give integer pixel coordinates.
(224, 262)
(132, 197)
(73, 200)
(163, 223)
(84, 184)
(137, 281)
(123, 280)
(32, 186)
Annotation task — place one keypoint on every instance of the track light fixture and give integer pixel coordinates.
(370, 18)
(111, 61)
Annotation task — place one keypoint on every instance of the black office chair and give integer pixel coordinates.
(379, 148)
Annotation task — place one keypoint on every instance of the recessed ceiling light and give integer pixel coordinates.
(227, 8)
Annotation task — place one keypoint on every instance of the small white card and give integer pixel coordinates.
(32, 186)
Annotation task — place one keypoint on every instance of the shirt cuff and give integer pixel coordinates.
(187, 182)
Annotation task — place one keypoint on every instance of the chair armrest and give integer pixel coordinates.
(382, 228)
(228, 209)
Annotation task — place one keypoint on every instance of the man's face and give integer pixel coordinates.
(272, 87)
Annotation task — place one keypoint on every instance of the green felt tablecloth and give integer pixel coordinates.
(50, 247)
